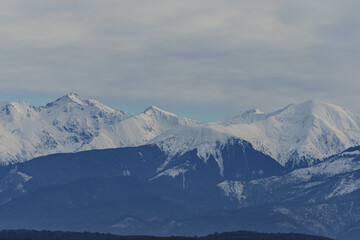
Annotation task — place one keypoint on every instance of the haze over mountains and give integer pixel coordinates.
(297, 135)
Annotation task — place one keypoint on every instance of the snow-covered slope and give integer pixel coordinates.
(336, 177)
(297, 135)
(208, 142)
(72, 124)
(144, 127)
(300, 133)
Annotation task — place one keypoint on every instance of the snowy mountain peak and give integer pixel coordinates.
(155, 110)
(253, 111)
(72, 123)
(19, 106)
(74, 97)
(308, 132)
(253, 115)
(298, 134)
(73, 94)
(247, 117)
(74, 102)
(305, 132)
(70, 98)
(154, 114)
(313, 107)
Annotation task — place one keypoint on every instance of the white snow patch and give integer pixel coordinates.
(328, 169)
(127, 223)
(233, 189)
(206, 141)
(349, 154)
(172, 172)
(346, 186)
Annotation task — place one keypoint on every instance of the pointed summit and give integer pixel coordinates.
(152, 108)
(74, 97)
(71, 97)
(73, 94)
(252, 115)
(73, 102)
(252, 112)
(155, 110)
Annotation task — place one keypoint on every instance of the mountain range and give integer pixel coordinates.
(297, 135)
(76, 164)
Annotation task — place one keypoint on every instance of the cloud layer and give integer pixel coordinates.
(210, 58)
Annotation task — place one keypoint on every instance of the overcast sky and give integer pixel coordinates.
(204, 59)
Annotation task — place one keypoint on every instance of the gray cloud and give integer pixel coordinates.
(203, 58)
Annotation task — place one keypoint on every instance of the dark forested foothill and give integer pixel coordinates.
(61, 235)
(269, 236)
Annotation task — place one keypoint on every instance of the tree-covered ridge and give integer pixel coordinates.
(62, 235)
(242, 235)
